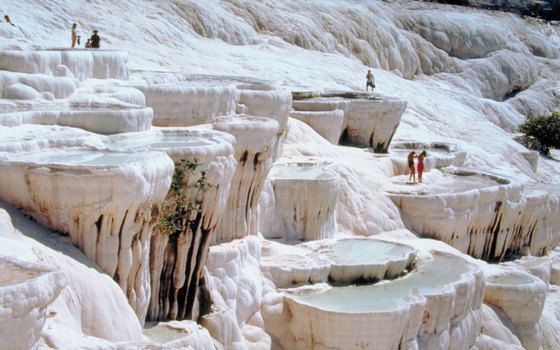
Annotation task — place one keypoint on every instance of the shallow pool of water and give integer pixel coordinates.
(365, 251)
(163, 142)
(80, 158)
(431, 277)
(511, 279)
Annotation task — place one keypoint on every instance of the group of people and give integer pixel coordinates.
(419, 167)
(93, 42)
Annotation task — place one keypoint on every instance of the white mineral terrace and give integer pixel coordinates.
(68, 191)
(479, 214)
(176, 259)
(369, 120)
(364, 260)
(329, 124)
(24, 86)
(522, 298)
(434, 307)
(256, 138)
(81, 64)
(98, 120)
(262, 102)
(30, 137)
(25, 292)
(189, 103)
(177, 142)
(305, 196)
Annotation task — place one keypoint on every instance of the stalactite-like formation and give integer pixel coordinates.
(182, 237)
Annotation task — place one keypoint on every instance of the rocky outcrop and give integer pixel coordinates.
(24, 86)
(53, 285)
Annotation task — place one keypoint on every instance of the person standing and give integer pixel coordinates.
(370, 80)
(410, 160)
(8, 20)
(421, 165)
(95, 40)
(74, 34)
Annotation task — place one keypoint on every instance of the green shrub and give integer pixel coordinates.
(181, 205)
(541, 133)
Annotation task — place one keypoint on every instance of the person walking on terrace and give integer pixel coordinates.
(95, 40)
(8, 20)
(410, 160)
(74, 34)
(370, 80)
(420, 165)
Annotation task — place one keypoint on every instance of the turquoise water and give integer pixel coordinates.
(431, 277)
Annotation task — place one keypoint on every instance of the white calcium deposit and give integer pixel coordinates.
(89, 138)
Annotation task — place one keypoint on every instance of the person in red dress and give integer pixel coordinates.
(421, 165)
(410, 160)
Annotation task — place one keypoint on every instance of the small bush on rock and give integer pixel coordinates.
(181, 205)
(541, 133)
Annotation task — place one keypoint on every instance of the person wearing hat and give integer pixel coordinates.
(95, 40)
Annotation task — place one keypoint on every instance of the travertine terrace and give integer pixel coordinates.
(217, 176)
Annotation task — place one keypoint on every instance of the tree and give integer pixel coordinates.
(541, 133)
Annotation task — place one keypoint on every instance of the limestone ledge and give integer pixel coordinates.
(24, 86)
(435, 307)
(305, 196)
(105, 201)
(34, 137)
(98, 120)
(81, 64)
(256, 138)
(289, 266)
(488, 219)
(329, 124)
(339, 262)
(369, 120)
(185, 100)
(177, 258)
(521, 297)
(184, 104)
(67, 320)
